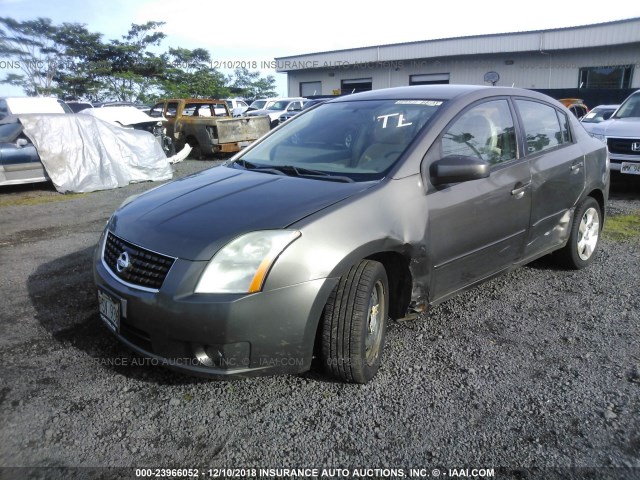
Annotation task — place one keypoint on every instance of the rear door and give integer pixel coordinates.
(558, 172)
(479, 227)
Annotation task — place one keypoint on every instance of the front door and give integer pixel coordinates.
(479, 227)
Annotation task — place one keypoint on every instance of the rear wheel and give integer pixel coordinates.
(196, 151)
(585, 234)
(354, 323)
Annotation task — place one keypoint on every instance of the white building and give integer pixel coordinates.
(601, 56)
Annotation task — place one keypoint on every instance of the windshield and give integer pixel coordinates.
(281, 105)
(258, 104)
(351, 141)
(630, 107)
(598, 115)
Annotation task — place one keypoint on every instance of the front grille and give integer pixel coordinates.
(623, 146)
(145, 268)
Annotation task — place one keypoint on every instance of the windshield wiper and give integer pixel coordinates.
(262, 168)
(308, 173)
(292, 171)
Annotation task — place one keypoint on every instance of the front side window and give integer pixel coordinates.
(353, 140)
(541, 126)
(485, 131)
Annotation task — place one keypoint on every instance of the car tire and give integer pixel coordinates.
(584, 236)
(354, 323)
(196, 151)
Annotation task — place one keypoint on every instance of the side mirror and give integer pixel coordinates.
(458, 168)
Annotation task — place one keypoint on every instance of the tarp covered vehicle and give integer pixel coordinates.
(78, 153)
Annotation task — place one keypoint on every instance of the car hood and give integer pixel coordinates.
(193, 217)
(618, 127)
(257, 112)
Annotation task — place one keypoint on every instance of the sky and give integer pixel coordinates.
(260, 30)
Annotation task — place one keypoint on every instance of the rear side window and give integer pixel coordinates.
(156, 110)
(172, 108)
(542, 126)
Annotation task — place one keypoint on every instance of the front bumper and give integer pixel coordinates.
(217, 335)
(615, 160)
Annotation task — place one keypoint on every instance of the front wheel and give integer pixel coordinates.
(354, 323)
(584, 236)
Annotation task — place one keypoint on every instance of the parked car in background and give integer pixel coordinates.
(77, 106)
(132, 117)
(621, 134)
(277, 108)
(79, 153)
(368, 207)
(19, 159)
(114, 104)
(18, 105)
(260, 104)
(237, 106)
(575, 106)
(307, 104)
(206, 125)
(598, 114)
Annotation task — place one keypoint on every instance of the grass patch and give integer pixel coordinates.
(39, 200)
(622, 227)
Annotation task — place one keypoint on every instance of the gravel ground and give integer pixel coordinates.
(539, 369)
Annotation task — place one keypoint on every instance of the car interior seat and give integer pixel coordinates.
(479, 135)
(387, 141)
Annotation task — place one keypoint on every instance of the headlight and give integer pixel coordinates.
(242, 265)
(600, 137)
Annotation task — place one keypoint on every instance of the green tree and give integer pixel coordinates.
(31, 46)
(129, 71)
(82, 67)
(189, 75)
(251, 84)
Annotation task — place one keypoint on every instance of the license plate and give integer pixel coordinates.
(631, 168)
(110, 310)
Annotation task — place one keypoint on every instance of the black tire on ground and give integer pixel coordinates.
(196, 151)
(168, 146)
(584, 236)
(354, 323)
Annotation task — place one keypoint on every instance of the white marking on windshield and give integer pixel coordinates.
(400, 123)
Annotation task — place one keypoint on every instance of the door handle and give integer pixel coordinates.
(519, 190)
(576, 166)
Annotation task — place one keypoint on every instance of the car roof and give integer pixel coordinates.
(436, 92)
(193, 100)
(606, 106)
(34, 104)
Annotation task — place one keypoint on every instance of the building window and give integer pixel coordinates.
(429, 79)
(606, 77)
(309, 89)
(355, 85)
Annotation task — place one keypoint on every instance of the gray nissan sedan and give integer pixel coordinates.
(366, 208)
